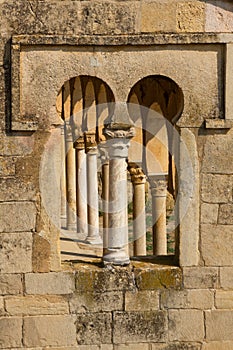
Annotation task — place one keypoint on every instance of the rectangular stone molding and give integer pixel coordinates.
(219, 325)
(49, 331)
(228, 82)
(186, 325)
(49, 283)
(10, 332)
(216, 245)
(136, 327)
(16, 252)
(17, 216)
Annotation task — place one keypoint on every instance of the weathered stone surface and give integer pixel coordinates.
(10, 284)
(41, 254)
(226, 277)
(96, 302)
(142, 300)
(209, 213)
(94, 328)
(136, 327)
(16, 145)
(176, 346)
(218, 345)
(16, 252)
(219, 17)
(216, 188)
(216, 245)
(49, 283)
(224, 299)
(148, 278)
(7, 166)
(190, 16)
(218, 157)
(35, 305)
(49, 331)
(185, 325)
(219, 325)
(17, 216)
(187, 299)
(142, 346)
(13, 189)
(226, 214)
(162, 16)
(2, 309)
(200, 277)
(10, 332)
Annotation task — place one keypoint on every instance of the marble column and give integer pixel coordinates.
(81, 185)
(118, 145)
(93, 236)
(105, 191)
(158, 185)
(63, 178)
(138, 179)
(70, 179)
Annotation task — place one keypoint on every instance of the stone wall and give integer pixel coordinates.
(48, 305)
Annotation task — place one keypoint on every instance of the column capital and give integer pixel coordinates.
(118, 141)
(79, 144)
(158, 185)
(137, 174)
(90, 142)
(103, 152)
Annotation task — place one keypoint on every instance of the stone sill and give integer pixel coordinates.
(218, 124)
(146, 273)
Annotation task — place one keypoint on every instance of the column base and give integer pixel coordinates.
(71, 227)
(116, 257)
(94, 240)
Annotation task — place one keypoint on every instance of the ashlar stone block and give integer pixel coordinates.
(10, 332)
(226, 277)
(209, 213)
(218, 345)
(216, 245)
(17, 216)
(16, 252)
(200, 277)
(216, 188)
(226, 214)
(10, 284)
(224, 299)
(190, 16)
(219, 325)
(176, 346)
(49, 331)
(142, 300)
(186, 325)
(187, 299)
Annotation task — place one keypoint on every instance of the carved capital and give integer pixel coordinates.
(90, 142)
(79, 144)
(137, 175)
(117, 133)
(158, 185)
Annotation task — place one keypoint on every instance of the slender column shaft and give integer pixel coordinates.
(118, 144)
(105, 197)
(93, 236)
(63, 179)
(81, 186)
(139, 214)
(70, 181)
(158, 192)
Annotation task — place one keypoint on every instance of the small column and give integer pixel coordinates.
(93, 236)
(158, 185)
(81, 185)
(105, 192)
(118, 145)
(63, 179)
(139, 214)
(70, 180)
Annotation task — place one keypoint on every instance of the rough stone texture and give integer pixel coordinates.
(13, 189)
(216, 245)
(185, 325)
(226, 277)
(176, 346)
(162, 16)
(219, 18)
(10, 284)
(215, 150)
(49, 331)
(226, 214)
(216, 188)
(187, 299)
(190, 16)
(96, 302)
(219, 325)
(16, 252)
(224, 299)
(200, 277)
(35, 305)
(136, 327)
(134, 346)
(49, 283)
(209, 213)
(94, 328)
(16, 145)
(41, 254)
(17, 216)
(7, 166)
(218, 345)
(10, 332)
(142, 301)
